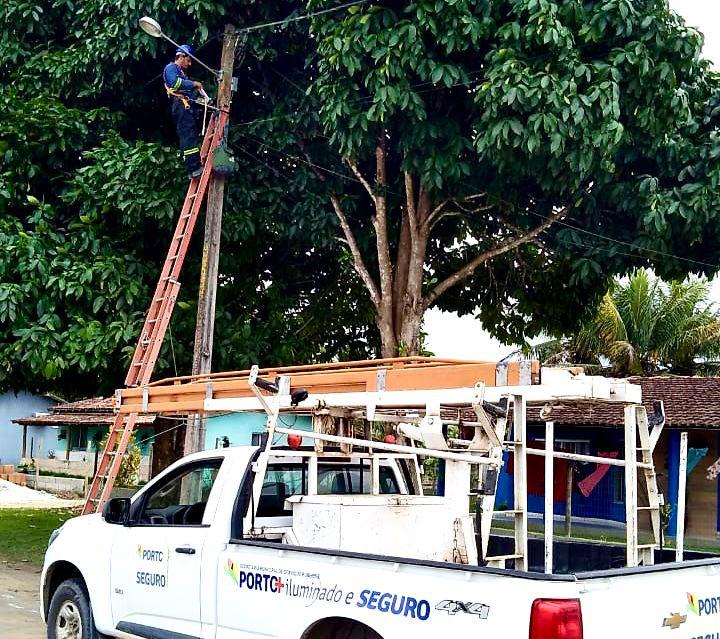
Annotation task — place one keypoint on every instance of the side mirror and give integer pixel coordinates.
(117, 510)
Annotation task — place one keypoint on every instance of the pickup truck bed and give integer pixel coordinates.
(201, 576)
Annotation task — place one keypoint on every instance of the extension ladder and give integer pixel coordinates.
(157, 320)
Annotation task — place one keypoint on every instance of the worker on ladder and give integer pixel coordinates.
(183, 94)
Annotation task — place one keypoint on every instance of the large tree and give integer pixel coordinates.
(459, 151)
(90, 186)
(485, 138)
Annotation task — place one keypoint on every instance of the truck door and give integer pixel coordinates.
(155, 566)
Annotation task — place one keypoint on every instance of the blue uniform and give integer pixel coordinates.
(184, 113)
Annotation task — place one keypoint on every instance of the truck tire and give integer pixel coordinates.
(340, 628)
(70, 614)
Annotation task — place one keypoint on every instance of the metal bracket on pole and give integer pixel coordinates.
(483, 419)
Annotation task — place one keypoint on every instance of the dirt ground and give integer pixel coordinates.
(20, 602)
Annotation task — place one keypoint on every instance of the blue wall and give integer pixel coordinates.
(599, 504)
(14, 406)
(239, 428)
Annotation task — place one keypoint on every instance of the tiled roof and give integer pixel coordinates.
(88, 412)
(690, 402)
(84, 419)
(92, 405)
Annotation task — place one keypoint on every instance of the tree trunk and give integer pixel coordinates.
(397, 289)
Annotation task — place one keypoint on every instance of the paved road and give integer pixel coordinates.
(20, 602)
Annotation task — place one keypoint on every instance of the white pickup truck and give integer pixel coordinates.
(192, 556)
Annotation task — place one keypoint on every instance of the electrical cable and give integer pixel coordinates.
(637, 247)
(306, 16)
(558, 222)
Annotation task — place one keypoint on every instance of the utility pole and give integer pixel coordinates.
(205, 324)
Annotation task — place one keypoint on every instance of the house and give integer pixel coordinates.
(12, 406)
(244, 429)
(64, 435)
(692, 404)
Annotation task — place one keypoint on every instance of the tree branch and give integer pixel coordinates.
(380, 222)
(361, 178)
(411, 204)
(358, 262)
(485, 256)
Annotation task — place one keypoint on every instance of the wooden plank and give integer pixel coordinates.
(426, 376)
(406, 362)
(461, 375)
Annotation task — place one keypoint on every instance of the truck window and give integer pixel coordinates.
(281, 481)
(181, 499)
(285, 480)
(355, 479)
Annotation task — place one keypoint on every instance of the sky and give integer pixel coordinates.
(463, 337)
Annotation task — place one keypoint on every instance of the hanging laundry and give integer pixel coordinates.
(589, 484)
(694, 457)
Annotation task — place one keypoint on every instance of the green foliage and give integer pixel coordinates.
(605, 108)
(129, 473)
(644, 326)
(90, 187)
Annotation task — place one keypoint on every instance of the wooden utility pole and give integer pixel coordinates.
(205, 325)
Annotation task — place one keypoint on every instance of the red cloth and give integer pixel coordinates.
(536, 476)
(590, 483)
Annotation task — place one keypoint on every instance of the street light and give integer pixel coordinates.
(153, 28)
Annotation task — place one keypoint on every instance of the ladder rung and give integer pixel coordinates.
(509, 512)
(648, 508)
(646, 546)
(504, 557)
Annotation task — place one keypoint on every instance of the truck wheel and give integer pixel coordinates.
(70, 615)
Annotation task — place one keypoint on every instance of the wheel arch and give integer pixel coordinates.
(328, 626)
(57, 573)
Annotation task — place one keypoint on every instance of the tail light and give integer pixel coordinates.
(556, 619)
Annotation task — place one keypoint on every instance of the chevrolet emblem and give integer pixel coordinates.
(674, 621)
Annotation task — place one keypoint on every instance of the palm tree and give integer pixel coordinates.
(644, 325)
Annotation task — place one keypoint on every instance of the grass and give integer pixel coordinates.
(24, 532)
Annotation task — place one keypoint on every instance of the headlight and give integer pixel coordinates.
(54, 535)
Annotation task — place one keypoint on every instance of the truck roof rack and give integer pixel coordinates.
(417, 398)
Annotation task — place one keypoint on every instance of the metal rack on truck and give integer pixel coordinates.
(418, 401)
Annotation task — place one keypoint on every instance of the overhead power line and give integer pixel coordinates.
(306, 16)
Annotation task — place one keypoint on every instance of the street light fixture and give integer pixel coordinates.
(153, 28)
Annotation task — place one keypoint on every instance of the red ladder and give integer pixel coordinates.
(156, 321)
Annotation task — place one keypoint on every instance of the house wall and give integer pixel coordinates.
(701, 518)
(601, 503)
(239, 428)
(13, 406)
(606, 502)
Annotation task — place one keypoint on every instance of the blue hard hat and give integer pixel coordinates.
(184, 49)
